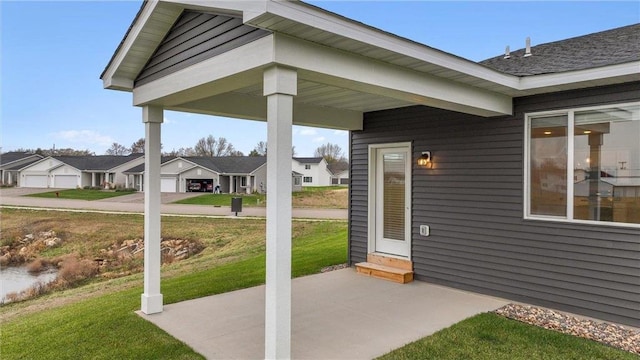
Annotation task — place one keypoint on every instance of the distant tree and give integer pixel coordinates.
(261, 150)
(72, 152)
(330, 152)
(117, 149)
(211, 146)
(181, 152)
(236, 153)
(57, 152)
(138, 146)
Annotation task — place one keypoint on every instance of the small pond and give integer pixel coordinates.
(16, 279)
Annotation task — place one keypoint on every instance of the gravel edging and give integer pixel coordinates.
(610, 334)
(334, 267)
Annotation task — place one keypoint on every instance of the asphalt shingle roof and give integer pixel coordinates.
(229, 164)
(308, 160)
(100, 162)
(611, 47)
(9, 157)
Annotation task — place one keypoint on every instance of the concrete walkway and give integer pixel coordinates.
(134, 203)
(336, 315)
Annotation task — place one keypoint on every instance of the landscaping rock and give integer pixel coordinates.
(611, 334)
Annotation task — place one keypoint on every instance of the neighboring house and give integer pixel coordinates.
(70, 172)
(446, 155)
(233, 174)
(339, 173)
(313, 169)
(12, 162)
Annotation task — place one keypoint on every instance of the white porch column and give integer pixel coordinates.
(152, 117)
(248, 182)
(280, 86)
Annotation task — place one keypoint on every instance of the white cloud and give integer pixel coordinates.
(319, 139)
(83, 137)
(340, 132)
(169, 121)
(308, 132)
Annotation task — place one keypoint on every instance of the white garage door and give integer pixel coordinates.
(35, 181)
(65, 181)
(168, 185)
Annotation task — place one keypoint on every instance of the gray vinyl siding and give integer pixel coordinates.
(196, 37)
(473, 201)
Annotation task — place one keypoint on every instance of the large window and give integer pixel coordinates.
(584, 164)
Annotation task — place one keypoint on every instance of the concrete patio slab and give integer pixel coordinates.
(335, 315)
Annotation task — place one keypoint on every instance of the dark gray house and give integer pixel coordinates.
(506, 211)
(481, 176)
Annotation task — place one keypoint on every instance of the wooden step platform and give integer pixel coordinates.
(387, 268)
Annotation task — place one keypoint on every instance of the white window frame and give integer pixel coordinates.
(307, 167)
(304, 179)
(570, 113)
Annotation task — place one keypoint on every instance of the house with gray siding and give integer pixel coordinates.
(10, 164)
(462, 173)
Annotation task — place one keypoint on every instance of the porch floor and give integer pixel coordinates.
(335, 315)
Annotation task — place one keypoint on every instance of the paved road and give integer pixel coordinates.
(134, 203)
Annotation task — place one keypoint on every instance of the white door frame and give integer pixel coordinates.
(373, 196)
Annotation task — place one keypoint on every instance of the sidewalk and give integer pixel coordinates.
(134, 203)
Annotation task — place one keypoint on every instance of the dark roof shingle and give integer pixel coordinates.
(610, 47)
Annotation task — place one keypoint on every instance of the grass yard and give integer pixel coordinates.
(224, 199)
(491, 337)
(331, 197)
(81, 194)
(97, 320)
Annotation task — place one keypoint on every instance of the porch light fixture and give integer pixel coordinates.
(425, 159)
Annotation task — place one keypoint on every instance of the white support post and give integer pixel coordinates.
(248, 182)
(280, 86)
(93, 179)
(152, 118)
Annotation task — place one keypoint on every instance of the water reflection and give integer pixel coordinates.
(16, 279)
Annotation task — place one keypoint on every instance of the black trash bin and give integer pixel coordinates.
(236, 205)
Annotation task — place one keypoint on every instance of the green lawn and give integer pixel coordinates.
(224, 200)
(106, 327)
(491, 337)
(81, 194)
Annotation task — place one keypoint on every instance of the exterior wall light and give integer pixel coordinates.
(425, 159)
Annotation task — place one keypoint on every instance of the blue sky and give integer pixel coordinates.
(53, 53)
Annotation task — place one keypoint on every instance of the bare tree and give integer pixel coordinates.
(181, 152)
(138, 146)
(211, 146)
(261, 150)
(117, 149)
(330, 152)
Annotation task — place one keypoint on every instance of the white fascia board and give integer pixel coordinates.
(108, 79)
(539, 82)
(236, 105)
(359, 73)
(207, 78)
(317, 18)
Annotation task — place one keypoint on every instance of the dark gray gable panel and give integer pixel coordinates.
(473, 201)
(196, 37)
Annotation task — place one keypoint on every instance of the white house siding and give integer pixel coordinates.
(197, 173)
(119, 178)
(65, 177)
(260, 177)
(38, 173)
(318, 172)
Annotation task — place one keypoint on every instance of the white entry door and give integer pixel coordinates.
(392, 204)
